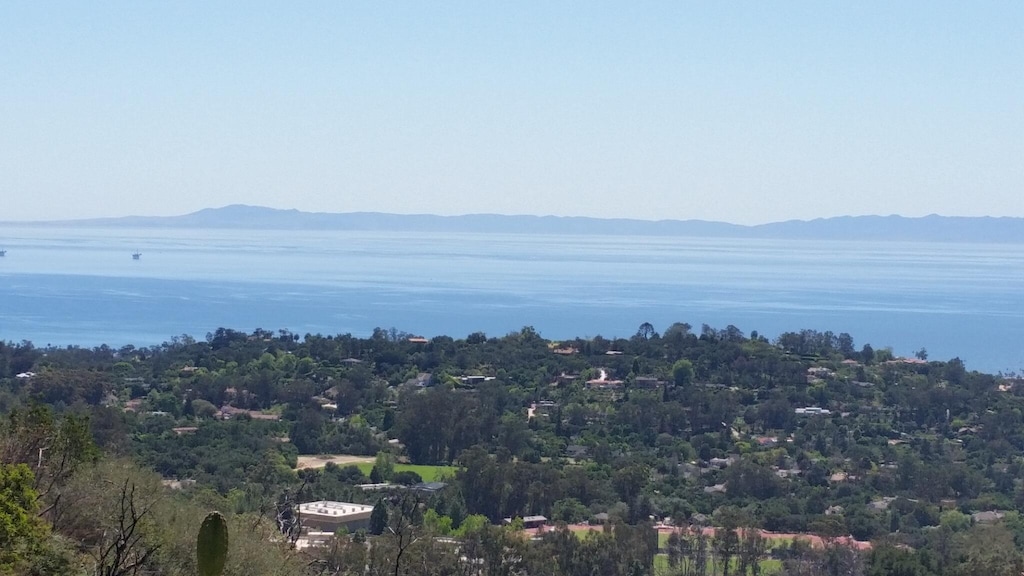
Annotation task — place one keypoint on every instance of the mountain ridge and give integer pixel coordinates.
(932, 228)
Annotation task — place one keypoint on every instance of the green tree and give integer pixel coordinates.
(436, 524)
(473, 524)
(888, 560)
(385, 465)
(569, 510)
(645, 332)
(20, 528)
(203, 408)
(990, 551)
(682, 372)
(379, 518)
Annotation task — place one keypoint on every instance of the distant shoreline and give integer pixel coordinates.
(999, 230)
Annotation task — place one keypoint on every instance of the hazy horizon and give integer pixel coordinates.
(745, 113)
(512, 215)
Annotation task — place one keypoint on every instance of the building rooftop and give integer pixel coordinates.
(813, 410)
(987, 516)
(429, 487)
(375, 486)
(529, 520)
(329, 509)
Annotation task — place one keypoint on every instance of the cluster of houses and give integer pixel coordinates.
(322, 519)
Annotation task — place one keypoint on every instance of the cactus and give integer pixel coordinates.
(212, 545)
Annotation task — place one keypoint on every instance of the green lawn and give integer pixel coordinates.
(769, 566)
(428, 473)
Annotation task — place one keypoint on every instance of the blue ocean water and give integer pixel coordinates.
(80, 286)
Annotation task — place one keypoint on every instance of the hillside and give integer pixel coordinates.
(700, 449)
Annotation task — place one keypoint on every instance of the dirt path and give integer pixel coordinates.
(321, 460)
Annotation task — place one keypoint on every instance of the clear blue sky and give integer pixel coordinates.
(738, 111)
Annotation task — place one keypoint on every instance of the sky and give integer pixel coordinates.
(743, 111)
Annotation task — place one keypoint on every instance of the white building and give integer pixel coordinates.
(327, 516)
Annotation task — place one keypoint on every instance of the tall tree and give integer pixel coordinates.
(379, 518)
(20, 529)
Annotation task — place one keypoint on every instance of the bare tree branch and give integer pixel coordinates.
(126, 551)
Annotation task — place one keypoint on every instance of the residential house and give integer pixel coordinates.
(531, 521)
(428, 488)
(647, 382)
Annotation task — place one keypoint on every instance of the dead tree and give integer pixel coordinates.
(123, 549)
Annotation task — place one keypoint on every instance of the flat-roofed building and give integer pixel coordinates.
(314, 539)
(530, 521)
(428, 487)
(328, 516)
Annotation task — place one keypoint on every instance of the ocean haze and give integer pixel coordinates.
(79, 285)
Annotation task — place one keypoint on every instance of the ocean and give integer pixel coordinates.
(80, 286)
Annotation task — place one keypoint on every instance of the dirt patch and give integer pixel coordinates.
(321, 460)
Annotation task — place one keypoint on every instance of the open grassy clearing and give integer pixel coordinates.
(428, 473)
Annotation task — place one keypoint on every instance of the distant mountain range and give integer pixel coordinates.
(926, 229)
